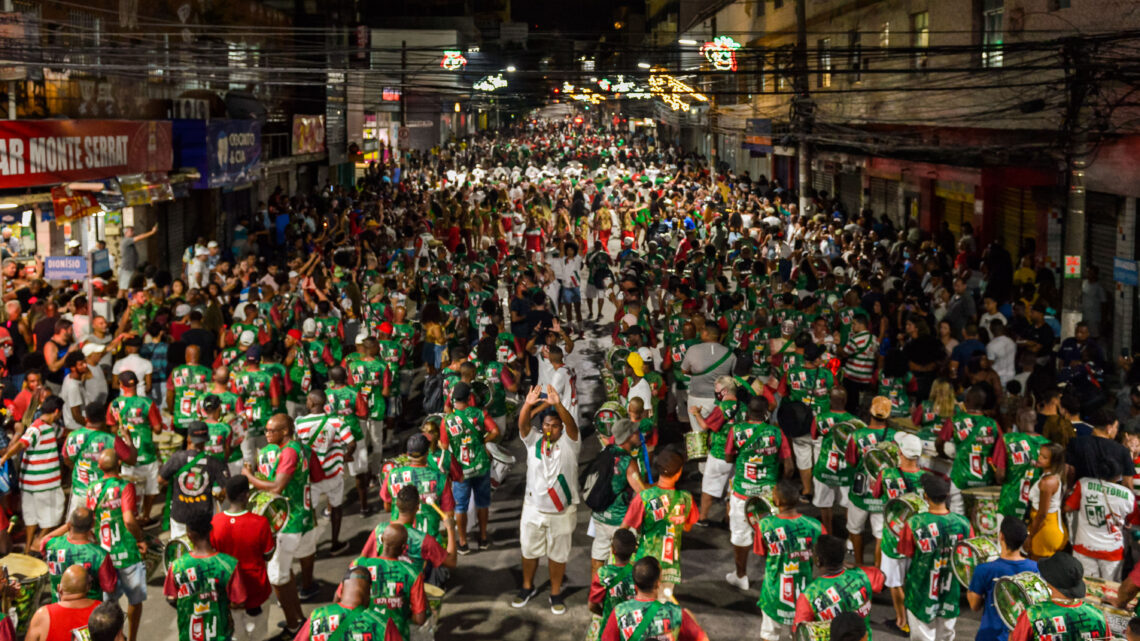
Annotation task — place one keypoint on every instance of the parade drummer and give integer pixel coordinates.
(1064, 615)
(981, 589)
(194, 478)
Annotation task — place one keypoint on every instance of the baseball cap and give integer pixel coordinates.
(623, 430)
(881, 407)
(635, 361)
(385, 327)
(417, 445)
(1064, 573)
(295, 334)
(197, 432)
(201, 252)
(90, 348)
(127, 378)
(627, 242)
(461, 392)
(253, 354)
(910, 445)
(212, 244)
(247, 338)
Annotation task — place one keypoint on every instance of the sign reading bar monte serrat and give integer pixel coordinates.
(44, 152)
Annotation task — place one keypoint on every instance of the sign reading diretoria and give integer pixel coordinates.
(65, 268)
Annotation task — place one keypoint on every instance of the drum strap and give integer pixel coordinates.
(646, 619)
(727, 353)
(313, 435)
(349, 619)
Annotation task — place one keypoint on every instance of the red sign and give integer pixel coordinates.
(45, 152)
(72, 205)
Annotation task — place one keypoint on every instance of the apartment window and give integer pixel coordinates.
(993, 31)
(920, 37)
(855, 55)
(885, 35)
(778, 4)
(824, 60)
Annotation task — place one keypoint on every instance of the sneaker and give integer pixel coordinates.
(309, 594)
(704, 523)
(739, 582)
(463, 549)
(286, 633)
(556, 604)
(523, 597)
(339, 548)
(485, 543)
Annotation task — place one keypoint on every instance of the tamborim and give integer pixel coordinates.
(813, 631)
(971, 553)
(175, 549)
(609, 413)
(758, 507)
(1013, 594)
(696, 445)
(272, 506)
(898, 511)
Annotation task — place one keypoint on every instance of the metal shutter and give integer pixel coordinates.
(173, 215)
(954, 213)
(1101, 212)
(850, 191)
(892, 207)
(1018, 219)
(878, 203)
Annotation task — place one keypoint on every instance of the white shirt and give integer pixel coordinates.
(986, 319)
(1103, 509)
(562, 380)
(73, 394)
(1003, 352)
(641, 390)
(137, 364)
(543, 470)
(568, 270)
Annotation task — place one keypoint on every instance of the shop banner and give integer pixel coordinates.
(65, 268)
(308, 135)
(46, 152)
(226, 152)
(70, 205)
(757, 135)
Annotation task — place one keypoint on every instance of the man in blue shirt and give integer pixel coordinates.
(981, 593)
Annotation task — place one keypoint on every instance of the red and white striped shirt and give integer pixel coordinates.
(40, 469)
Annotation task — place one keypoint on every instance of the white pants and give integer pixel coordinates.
(770, 630)
(44, 509)
(936, 630)
(857, 518)
(248, 627)
(290, 546)
(1099, 568)
(955, 503)
(333, 488)
(603, 540)
(894, 570)
(740, 530)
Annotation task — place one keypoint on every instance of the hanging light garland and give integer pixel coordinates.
(673, 92)
(490, 83)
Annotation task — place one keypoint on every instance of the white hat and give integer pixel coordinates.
(181, 310)
(73, 243)
(293, 275)
(213, 244)
(646, 354)
(201, 251)
(309, 327)
(910, 445)
(247, 338)
(90, 348)
(361, 337)
(627, 242)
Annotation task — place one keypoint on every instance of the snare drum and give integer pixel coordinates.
(1014, 594)
(272, 506)
(611, 385)
(883, 456)
(697, 445)
(167, 443)
(813, 631)
(841, 432)
(609, 413)
(616, 359)
(482, 393)
(32, 575)
(1116, 619)
(758, 507)
(154, 557)
(175, 549)
(982, 509)
(434, 596)
(898, 511)
(971, 553)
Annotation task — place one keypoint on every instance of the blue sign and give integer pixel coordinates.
(1124, 271)
(100, 261)
(65, 268)
(757, 135)
(225, 152)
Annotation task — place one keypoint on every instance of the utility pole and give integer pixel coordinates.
(404, 83)
(1075, 136)
(803, 109)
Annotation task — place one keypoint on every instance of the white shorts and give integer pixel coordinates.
(894, 570)
(333, 488)
(177, 529)
(937, 630)
(718, 474)
(802, 448)
(603, 540)
(772, 631)
(545, 534)
(293, 545)
(824, 495)
(145, 477)
(1099, 568)
(740, 530)
(44, 509)
(857, 518)
(595, 292)
(703, 403)
(359, 463)
(954, 501)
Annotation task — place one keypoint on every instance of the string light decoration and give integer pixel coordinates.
(490, 83)
(721, 52)
(453, 60)
(582, 94)
(673, 92)
(623, 85)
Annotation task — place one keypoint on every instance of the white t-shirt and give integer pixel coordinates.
(563, 381)
(568, 270)
(1103, 508)
(987, 318)
(553, 474)
(1003, 352)
(137, 364)
(641, 390)
(73, 394)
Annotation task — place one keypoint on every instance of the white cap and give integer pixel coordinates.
(247, 338)
(213, 244)
(646, 354)
(361, 337)
(92, 348)
(201, 251)
(309, 327)
(293, 274)
(910, 445)
(73, 243)
(182, 309)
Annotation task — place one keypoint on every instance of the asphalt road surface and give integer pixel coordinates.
(477, 604)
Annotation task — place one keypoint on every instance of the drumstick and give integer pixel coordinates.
(436, 508)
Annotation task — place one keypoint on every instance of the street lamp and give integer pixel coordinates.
(510, 68)
(686, 41)
(643, 65)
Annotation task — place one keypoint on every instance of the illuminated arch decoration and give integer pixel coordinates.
(678, 95)
(623, 87)
(453, 61)
(490, 84)
(721, 52)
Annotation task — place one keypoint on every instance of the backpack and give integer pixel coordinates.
(597, 485)
(433, 394)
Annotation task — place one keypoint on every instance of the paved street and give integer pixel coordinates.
(477, 606)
